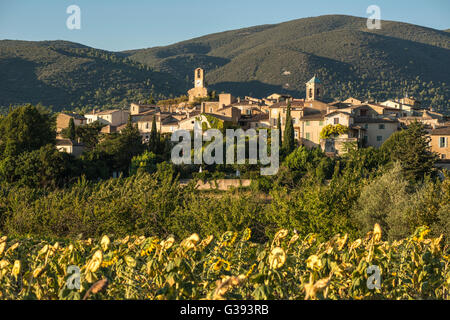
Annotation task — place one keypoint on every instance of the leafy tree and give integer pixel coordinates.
(119, 148)
(24, 129)
(289, 140)
(411, 147)
(89, 134)
(330, 130)
(144, 162)
(379, 199)
(41, 168)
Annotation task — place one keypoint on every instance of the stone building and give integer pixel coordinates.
(440, 139)
(63, 119)
(199, 90)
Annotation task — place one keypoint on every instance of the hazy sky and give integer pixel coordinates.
(131, 24)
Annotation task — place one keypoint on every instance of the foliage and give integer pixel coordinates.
(145, 162)
(333, 130)
(42, 168)
(226, 267)
(89, 134)
(25, 128)
(400, 208)
(118, 149)
(411, 147)
(71, 133)
(289, 143)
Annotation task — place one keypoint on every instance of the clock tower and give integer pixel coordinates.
(199, 91)
(199, 78)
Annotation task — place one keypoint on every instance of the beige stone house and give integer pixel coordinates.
(440, 142)
(69, 146)
(63, 119)
(375, 131)
(114, 117)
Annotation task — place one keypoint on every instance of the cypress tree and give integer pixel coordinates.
(279, 128)
(289, 140)
(153, 143)
(71, 134)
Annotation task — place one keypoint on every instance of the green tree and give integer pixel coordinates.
(71, 133)
(89, 134)
(26, 128)
(411, 147)
(289, 140)
(279, 128)
(118, 149)
(154, 139)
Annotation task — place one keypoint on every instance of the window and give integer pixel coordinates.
(210, 110)
(308, 136)
(318, 92)
(381, 126)
(366, 126)
(443, 142)
(336, 120)
(310, 93)
(308, 123)
(296, 134)
(363, 113)
(379, 138)
(442, 156)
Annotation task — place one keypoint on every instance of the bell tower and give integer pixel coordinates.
(314, 89)
(199, 78)
(199, 91)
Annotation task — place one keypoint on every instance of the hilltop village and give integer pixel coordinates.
(366, 123)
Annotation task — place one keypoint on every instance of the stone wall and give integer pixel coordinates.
(221, 184)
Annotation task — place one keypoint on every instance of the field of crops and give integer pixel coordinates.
(232, 267)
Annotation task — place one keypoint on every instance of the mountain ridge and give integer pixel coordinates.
(350, 59)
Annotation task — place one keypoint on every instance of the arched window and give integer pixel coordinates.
(198, 73)
(310, 92)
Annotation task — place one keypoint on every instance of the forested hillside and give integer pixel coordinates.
(67, 75)
(349, 58)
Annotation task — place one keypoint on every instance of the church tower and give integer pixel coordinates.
(314, 89)
(199, 78)
(199, 90)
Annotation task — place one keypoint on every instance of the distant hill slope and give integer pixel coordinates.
(67, 75)
(348, 57)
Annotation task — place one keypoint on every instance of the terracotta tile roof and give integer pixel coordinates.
(74, 115)
(441, 131)
(373, 120)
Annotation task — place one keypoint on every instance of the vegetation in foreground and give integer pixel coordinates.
(228, 267)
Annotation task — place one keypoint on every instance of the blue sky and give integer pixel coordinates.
(132, 24)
